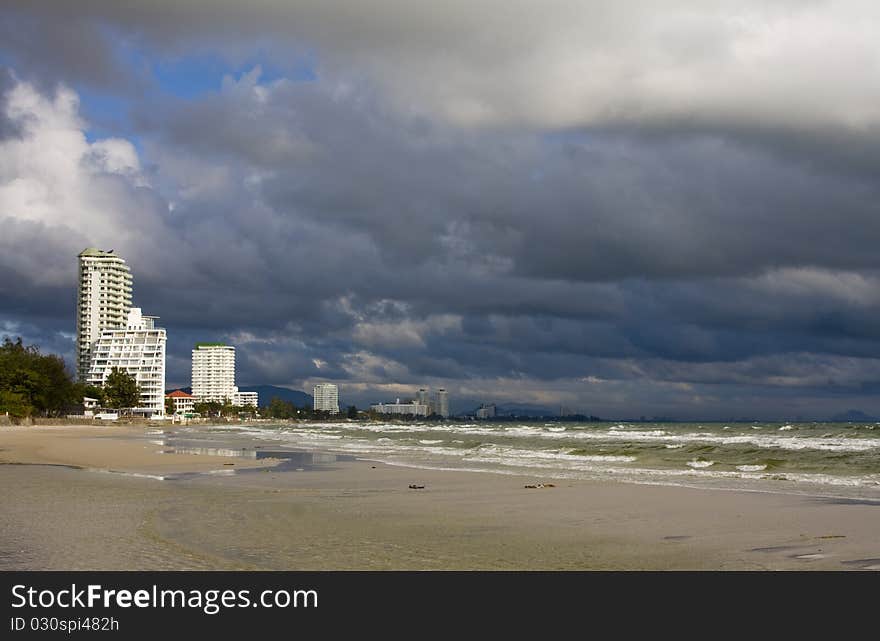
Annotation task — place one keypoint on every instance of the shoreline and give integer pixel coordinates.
(339, 514)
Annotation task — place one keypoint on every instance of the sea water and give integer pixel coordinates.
(841, 459)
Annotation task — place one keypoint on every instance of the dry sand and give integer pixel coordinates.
(362, 515)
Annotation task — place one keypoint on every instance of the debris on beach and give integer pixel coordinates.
(539, 486)
(416, 487)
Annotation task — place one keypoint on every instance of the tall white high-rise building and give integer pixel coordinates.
(423, 398)
(213, 373)
(213, 376)
(103, 301)
(138, 349)
(326, 398)
(441, 403)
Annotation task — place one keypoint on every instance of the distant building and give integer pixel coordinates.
(424, 399)
(138, 349)
(441, 403)
(213, 376)
(103, 301)
(245, 399)
(213, 372)
(413, 408)
(183, 402)
(326, 398)
(486, 411)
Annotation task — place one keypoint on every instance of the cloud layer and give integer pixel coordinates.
(624, 210)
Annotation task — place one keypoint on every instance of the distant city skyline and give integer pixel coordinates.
(625, 209)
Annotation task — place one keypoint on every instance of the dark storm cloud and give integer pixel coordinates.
(71, 50)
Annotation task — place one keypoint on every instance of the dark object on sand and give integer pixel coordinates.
(417, 487)
(538, 486)
(372, 467)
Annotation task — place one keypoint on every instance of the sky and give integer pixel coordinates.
(626, 209)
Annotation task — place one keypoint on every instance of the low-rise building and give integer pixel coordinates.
(486, 411)
(183, 403)
(245, 399)
(413, 408)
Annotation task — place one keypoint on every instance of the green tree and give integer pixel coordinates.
(169, 405)
(81, 391)
(352, 411)
(121, 390)
(279, 408)
(31, 382)
(210, 408)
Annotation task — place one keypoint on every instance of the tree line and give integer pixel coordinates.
(281, 409)
(37, 384)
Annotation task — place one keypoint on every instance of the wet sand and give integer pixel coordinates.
(362, 515)
(106, 447)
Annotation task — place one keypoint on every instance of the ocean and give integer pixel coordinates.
(833, 459)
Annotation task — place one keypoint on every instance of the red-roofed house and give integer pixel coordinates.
(183, 402)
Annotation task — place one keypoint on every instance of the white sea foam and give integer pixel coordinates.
(828, 442)
(700, 464)
(559, 462)
(426, 441)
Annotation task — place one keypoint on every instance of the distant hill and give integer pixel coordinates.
(524, 410)
(268, 392)
(188, 390)
(852, 416)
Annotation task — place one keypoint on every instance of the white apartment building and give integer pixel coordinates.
(423, 398)
(213, 372)
(441, 403)
(103, 301)
(326, 398)
(486, 411)
(413, 408)
(243, 399)
(138, 348)
(213, 376)
(183, 403)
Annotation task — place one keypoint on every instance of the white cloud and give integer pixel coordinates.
(555, 63)
(60, 193)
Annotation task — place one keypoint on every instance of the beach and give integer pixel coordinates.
(122, 498)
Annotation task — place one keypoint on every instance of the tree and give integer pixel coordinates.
(31, 382)
(209, 408)
(279, 408)
(352, 411)
(169, 405)
(82, 390)
(121, 390)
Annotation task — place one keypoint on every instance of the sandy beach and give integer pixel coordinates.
(358, 514)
